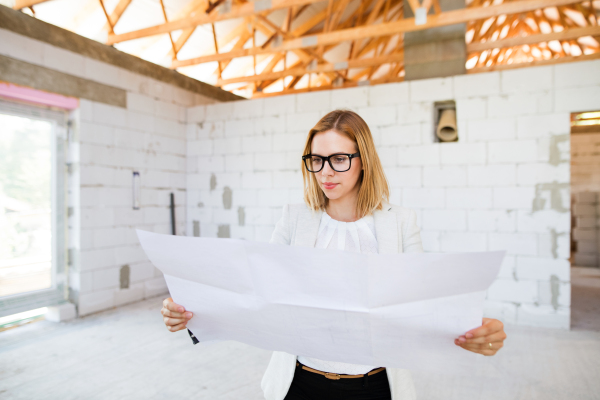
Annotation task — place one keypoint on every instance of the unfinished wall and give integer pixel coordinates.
(126, 122)
(585, 195)
(585, 162)
(503, 185)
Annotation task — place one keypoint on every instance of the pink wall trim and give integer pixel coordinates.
(37, 96)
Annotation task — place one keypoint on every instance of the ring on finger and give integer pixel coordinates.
(490, 345)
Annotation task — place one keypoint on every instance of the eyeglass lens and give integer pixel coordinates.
(340, 163)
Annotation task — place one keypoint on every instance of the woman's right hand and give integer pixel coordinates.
(174, 315)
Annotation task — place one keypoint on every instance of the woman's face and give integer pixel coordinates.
(335, 184)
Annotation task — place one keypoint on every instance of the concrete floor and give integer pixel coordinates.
(127, 353)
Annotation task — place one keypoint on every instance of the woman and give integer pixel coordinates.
(346, 193)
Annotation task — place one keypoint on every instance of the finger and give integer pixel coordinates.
(494, 337)
(176, 327)
(167, 301)
(173, 314)
(167, 313)
(174, 321)
(495, 346)
(175, 307)
(486, 346)
(488, 327)
(483, 351)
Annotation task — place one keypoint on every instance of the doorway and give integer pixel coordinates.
(585, 220)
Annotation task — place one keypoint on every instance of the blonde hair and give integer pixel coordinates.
(373, 184)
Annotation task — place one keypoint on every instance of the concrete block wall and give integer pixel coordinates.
(503, 185)
(148, 137)
(109, 143)
(585, 235)
(585, 198)
(585, 162)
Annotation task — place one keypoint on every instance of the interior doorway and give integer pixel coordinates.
(585, 220)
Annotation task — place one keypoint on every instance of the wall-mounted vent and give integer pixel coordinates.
(445, 127)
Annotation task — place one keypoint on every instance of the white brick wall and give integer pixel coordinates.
(114, 142)
(490, 190)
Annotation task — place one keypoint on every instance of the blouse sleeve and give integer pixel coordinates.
(412, 235)
(281, 234)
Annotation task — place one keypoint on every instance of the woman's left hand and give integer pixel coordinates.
(486, 340)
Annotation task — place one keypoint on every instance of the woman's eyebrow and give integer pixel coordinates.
(332, 154)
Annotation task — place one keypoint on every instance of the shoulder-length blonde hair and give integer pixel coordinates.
(373, 184)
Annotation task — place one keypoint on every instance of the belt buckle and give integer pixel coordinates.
(331, 375)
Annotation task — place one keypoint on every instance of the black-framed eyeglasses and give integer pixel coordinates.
(339, 162)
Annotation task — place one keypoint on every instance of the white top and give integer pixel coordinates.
(357, 237)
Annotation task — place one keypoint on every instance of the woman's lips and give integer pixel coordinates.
(329, 185)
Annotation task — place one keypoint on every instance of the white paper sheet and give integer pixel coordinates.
(398, 310)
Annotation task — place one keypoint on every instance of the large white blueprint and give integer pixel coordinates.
(397, 310)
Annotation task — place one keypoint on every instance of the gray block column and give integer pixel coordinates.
(435, 52)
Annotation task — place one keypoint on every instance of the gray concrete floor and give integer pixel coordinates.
(127, 353)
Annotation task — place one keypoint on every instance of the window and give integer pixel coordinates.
(32, 207)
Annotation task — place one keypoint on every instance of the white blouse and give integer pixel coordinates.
(357, 237)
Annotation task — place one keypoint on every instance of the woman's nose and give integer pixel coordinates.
(327, 170)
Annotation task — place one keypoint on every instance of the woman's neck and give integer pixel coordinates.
(343, 209)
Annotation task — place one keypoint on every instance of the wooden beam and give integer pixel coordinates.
(287, 23)
(190, 9)
(326, 25)
(567, 34)
(115, 16)
(386, 29)
(414, 4)
(216, 47)
(238, 11)
(241, 41)
(107, 16)
(560, 60)
(358, 46)
(272, 64)
(355, 44)
(303, 28)
(320, 68)
(26, 3)
(305, 55)
(257, 95)
(310, 23)
(164, 11)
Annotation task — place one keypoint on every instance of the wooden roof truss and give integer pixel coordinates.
(310, 45)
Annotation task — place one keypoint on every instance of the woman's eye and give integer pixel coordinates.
(339, 159)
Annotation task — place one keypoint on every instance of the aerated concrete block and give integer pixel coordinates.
(587, 246)
(584, 210)
(585, 234)
(585, 222)
(585, 260)
(61, 312)
(585, 198)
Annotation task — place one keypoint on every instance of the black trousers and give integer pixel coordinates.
(308, 385)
